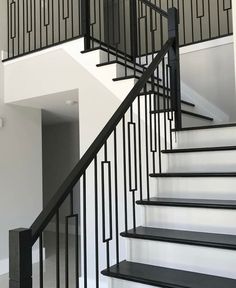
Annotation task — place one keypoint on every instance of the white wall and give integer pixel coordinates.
(20, 166)
(20, 171)
(209, 71)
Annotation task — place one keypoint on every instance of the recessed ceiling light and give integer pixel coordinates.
(71, 102)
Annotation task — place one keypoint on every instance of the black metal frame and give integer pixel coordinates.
(38, 24)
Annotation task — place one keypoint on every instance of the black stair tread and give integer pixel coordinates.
(138, 68)
(135, 77)
(129, 65)
(166, 277)
(126, 63)
(110, 50)
(224, 241)
(194, 174)
(203, 149)
(187, 202)
(226, 125)
(155, 92)
(186, 113)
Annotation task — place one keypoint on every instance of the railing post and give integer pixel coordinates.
(133, 28)
(20, 258)
(173, 32)
(85, 22)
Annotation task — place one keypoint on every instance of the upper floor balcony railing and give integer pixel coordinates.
(38, 24)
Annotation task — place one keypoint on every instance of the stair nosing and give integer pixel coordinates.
(138, 68)
(199, 149)
(206, 127)
(192, 174)
(193, 114)
(140, 273)
(195, 242)
(161, 94)
(189, 203)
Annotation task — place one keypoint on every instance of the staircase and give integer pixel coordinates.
(126, 70)
(157, 199)
(188, 239)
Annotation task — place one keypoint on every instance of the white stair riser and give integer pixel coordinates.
(122, 71)
(192, 121)
(220, 262)
(218, 161)
(203, 188)
(118, 283)
(193, 219)
(207, 137)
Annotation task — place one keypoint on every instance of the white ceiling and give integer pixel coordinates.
(54, 107)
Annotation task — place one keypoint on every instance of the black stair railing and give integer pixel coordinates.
(75, 244)
(115, 25)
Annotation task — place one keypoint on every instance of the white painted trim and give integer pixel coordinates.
(203, 104)
(4, 263)
(207, 45)
(38, 53)
(187, 49)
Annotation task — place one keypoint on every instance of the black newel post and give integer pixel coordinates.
(133, 29)
(85, 22)
(20, 258)
(173, 32)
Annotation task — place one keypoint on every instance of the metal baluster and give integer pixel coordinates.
(18, 24)
(147, 146)
(40, 24)
(124, 169)
(96, 221)
(159, 121)
(132, 162)
(218, 16)
(106, 239)
(53, 26)
(41, 261)
(23, 19)
(57, 250)
(169, 108)
(200, 16)
(209, 18)
(72, 18)
(140, 151)
(165, 98)
(184, 23)
(116, 196)
(29, 20)
(85, 229)
(13, 25)
(8, 28)
(59, 20)
(192, 23)
(66, 15)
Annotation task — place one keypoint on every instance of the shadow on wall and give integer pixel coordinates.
(210, 73)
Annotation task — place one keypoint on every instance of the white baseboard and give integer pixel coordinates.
(4, 266)
(4, 263)
(207, 44)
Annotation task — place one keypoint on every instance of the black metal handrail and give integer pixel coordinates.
(155, 8)
(157, 94)
(46, 215)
